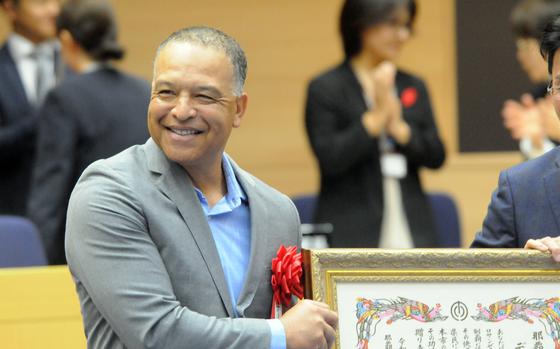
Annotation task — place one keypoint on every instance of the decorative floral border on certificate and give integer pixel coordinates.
(325, 269)
(546, 311)
(372, 312)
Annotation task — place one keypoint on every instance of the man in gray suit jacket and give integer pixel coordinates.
(170, 243)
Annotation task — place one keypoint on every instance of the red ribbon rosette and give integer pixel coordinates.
(286, 279)
(409, 96)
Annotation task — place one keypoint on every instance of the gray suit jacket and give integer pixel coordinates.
(146, 267)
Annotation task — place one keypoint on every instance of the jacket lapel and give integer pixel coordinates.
(552, 185)
(257, 262)
(175, 183)
(10, 74)
(354, 92)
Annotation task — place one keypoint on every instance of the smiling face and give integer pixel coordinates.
(385, 40)
(192, 108)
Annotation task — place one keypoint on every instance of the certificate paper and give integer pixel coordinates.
(438, 298)
(448, 315)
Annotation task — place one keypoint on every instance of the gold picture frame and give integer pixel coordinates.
(333, 272)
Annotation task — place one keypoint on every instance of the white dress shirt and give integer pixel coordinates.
(23, 51)
(530, 151)
(395, 231)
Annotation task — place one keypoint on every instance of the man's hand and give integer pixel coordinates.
(546, 244)
(309, 325)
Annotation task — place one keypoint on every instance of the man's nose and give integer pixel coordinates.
(184, 108)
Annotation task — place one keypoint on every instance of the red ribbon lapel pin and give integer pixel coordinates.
(286, 279)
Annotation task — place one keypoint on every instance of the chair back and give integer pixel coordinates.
(305, 205)
(20, 243)
(446, 219)
(314, 235)
(444, 210)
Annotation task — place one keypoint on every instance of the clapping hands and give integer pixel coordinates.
(531, 119)
(386, 116)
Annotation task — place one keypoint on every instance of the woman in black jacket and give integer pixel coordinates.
(371, 127)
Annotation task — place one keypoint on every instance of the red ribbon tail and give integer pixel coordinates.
(276, 310)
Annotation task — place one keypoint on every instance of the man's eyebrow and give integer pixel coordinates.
(163, 83)
(208, 88)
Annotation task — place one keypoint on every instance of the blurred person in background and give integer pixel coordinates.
(29, 67)
(532, 120)
(93, 115)
(372, 128)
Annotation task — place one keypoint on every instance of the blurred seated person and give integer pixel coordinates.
(532, 119)
(372, 129)
(30, 66)
(95, 114)
(525, 208)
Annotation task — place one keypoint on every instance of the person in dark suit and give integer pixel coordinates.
(28, 69)
(525, 208)
(371, 128)
(93, 115)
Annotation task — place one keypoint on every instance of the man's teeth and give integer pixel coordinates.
(184, 132)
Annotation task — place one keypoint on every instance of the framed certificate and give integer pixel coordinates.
(438, 298)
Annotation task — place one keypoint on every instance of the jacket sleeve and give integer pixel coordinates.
(425, 147)
(337, 149)
(52, 178)
(498, 230)
(111, 253)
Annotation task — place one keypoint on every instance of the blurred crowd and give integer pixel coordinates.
(63, 105)
(371, 126)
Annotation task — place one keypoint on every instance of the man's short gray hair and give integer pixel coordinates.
(218, 40)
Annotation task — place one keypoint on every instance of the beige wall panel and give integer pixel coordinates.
(39, 309)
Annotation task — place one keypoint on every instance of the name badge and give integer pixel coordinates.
(393, 165)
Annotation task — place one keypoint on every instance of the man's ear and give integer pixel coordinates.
(240, 108)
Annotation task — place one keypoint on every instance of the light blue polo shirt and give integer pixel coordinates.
(230, 222)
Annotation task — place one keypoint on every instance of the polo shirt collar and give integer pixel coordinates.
(235, 195)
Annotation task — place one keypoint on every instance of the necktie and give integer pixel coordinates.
(43, 72)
